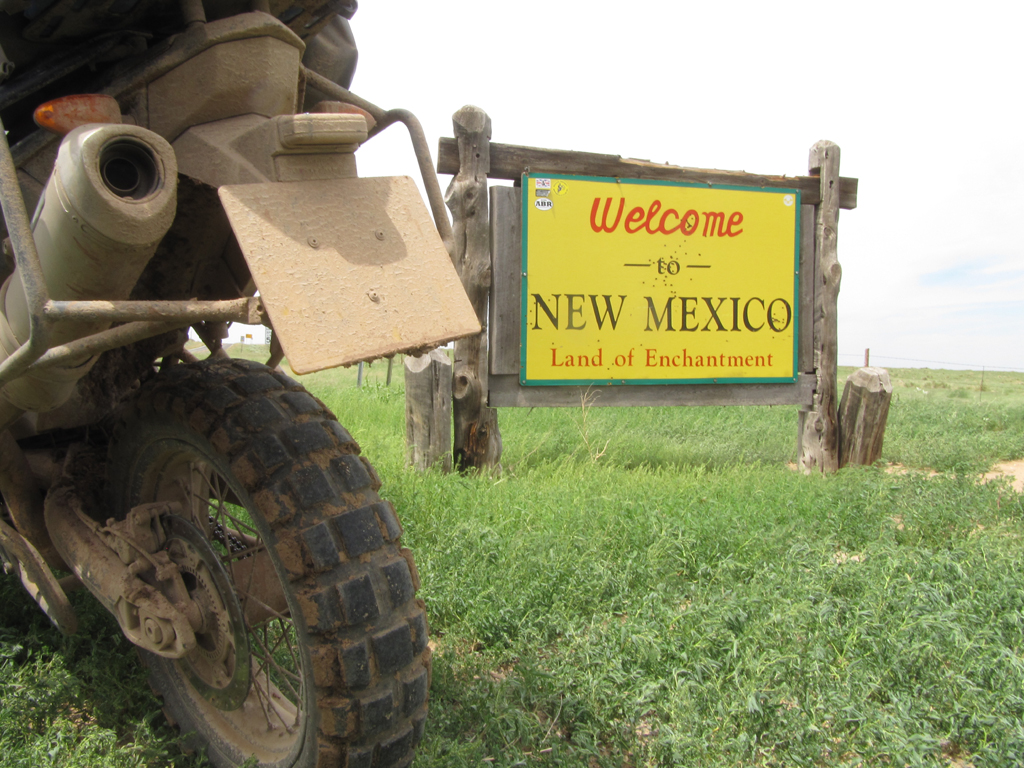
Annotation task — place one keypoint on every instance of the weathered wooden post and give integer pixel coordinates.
(477, 439)
(428, 410)
(863, 412)
(819, 425)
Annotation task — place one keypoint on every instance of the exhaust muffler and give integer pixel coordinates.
(109, 202)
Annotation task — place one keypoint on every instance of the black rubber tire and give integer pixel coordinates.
(361, 658)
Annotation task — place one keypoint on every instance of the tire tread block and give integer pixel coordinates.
(349, 473)
(355, 665)
(418, 625)
(393, 648)
(359, 531)
(321, 547)
(386, 512)
(257, 383)
(311, 487)
(399, 579)
(306, 438)
(394, 751)
(414, 692)
(376, 712)
(302, 403)
(358, 600)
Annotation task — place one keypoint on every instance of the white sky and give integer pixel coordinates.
(923, 99)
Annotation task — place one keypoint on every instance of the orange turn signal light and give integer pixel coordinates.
(63, 115)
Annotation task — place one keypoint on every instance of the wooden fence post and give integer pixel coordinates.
(477, 439)
(863, 412)
(819, 425)
(428, 410)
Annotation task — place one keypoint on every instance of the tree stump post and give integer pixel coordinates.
(863, 412)
(818, 426)
(477, 440)
(428, 411)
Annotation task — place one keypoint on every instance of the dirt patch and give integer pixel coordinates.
(900, 469)
(839, 558)
(1011, 470)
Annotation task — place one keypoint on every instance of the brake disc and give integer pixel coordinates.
(219, 666)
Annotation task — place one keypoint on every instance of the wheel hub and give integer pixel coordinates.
(218, 667)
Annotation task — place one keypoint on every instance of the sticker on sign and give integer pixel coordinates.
(543, 204)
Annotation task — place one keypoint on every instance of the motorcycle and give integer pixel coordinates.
(191, 165)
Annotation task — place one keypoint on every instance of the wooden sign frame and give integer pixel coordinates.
(505, 334)
(823, 193)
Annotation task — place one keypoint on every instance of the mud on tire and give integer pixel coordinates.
(340, 666)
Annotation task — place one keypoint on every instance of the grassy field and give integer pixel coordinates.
(656, 587)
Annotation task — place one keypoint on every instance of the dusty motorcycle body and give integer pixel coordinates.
(216, 509)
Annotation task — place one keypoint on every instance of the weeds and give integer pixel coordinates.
(583, 425)
(664, 593)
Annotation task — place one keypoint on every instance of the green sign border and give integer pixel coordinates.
(524, 311)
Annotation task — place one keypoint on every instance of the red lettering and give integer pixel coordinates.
(635, 215)
(661, 224)
(715, 224)
(710, 219)
(735, 219)
(685, 226)
(603, 226)
(655, 207)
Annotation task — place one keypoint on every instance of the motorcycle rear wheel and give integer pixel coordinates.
(314, 648)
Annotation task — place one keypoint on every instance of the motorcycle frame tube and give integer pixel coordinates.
(46, 314)
(384, 119)
(152, 318)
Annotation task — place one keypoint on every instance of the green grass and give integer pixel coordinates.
(656, 587)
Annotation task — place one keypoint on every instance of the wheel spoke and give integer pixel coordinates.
(269, 658)
(231, 532)
(264, 701)
(265, 695)
(238, 540)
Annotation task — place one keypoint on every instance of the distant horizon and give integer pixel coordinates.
(916, 98)
(846, 359)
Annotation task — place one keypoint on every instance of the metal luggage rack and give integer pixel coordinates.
(144, 319)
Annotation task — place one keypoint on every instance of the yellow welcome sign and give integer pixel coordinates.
(628, 281)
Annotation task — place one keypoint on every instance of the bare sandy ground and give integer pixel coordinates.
(1013, 470)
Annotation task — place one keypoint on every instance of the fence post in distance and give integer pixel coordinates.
(863, 412)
